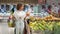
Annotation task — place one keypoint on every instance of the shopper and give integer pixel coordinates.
(29, 13)
(49, 9)
(59, 10)
(26, 8)
(30, 10)
(19, 16)
(55, 8)
(44, 8)
(43, 12)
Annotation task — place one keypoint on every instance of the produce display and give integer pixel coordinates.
(50, 17)
(47, 24)
(57, 28)
(41, 25)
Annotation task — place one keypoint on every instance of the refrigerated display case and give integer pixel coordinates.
(5, 10)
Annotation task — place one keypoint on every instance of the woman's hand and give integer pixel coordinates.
(28, 14)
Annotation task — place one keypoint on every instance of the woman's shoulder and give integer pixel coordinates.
(22, 12)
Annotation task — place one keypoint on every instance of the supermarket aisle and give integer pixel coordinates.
(4, 29)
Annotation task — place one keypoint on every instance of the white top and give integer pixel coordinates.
(19, 15)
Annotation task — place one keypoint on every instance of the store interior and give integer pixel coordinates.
(40, 21)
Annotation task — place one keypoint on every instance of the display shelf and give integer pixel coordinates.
(4, 15)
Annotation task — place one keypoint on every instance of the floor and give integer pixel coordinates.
(4, 29)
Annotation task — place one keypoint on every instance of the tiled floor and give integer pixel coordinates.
(4, 29)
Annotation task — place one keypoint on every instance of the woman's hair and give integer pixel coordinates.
(19, 6)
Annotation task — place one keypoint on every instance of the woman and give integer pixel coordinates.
(19, 16)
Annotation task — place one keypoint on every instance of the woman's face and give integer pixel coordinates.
(22, 7)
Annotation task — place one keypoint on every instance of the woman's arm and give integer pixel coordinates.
(27, 25)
